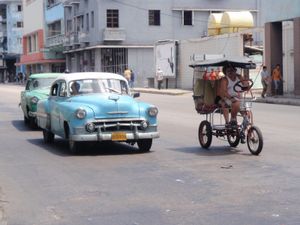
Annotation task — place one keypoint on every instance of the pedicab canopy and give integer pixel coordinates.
(241, 62)
(206, 79)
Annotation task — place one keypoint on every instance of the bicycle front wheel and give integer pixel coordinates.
(255, 140)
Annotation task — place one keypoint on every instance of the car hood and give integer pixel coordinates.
(110, 105)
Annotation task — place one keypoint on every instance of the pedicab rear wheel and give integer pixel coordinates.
(255, 140)
(233, 138)
(205, 134)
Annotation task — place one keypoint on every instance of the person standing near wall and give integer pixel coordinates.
(277, 78)
(159, 77)
(265, 80)
(127, 75)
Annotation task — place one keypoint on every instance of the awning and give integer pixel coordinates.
(107, 46)
(42, 61)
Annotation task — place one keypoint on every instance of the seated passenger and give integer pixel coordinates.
(227, 97)
(75, 88)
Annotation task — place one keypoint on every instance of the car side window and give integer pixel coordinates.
(63, 89)
(28, 85)
(54, 90)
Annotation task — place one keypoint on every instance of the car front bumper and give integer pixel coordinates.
(109, 136)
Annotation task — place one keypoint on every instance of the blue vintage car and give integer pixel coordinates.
(94, 106)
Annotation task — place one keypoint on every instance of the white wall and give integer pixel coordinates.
(288, 56)
(141, 61)
(33, 15)
(228, 44)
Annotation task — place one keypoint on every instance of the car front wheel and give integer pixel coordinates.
(48, 136)
(74, 147)
(144, 145)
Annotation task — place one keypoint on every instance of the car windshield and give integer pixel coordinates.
(90, 86)
(39, 83)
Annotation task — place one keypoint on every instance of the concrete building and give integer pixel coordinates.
(11, 31)
(41, 27)
(54, 33)
(282, 40)
(110, 35)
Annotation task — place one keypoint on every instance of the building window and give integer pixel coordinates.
(114, 60)
(54, 28)
(69, 26)
(19, 24)
(188, 18)
(32, 43)
(92, 19)
(29, 48)
(87, 22)
(51, 3)
(79, 23)
(112, 18)
(19, 8)
(154, 17)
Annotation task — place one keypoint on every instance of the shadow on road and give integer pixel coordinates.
(21, 126)
(60, 147)
(212, 151)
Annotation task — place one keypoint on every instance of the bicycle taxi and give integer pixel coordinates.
(206, 80)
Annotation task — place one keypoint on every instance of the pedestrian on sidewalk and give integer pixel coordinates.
(277, 78)
(159, 77)
(265, 80)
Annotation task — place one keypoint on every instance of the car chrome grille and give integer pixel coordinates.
(118, 125)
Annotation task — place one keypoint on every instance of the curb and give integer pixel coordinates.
(162, 91)
(281, 101)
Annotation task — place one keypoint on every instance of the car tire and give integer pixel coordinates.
(26, 120)
(74, 147)
(144, 145)
(48, 136)
(32, 123)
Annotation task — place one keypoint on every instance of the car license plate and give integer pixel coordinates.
(118, 136)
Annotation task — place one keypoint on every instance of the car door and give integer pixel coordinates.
(53, 107)
(23, 97)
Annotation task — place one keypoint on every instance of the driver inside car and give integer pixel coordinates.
(227, 96)
(75, 88)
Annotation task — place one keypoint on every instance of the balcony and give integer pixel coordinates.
(83, 37)
(114, 34)
(55, 40)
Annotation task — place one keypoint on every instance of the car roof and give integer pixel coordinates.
(90, 75)
(45, 75)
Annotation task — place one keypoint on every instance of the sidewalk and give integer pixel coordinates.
(282, 99)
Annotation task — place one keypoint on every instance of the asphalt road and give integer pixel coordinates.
(176, 183)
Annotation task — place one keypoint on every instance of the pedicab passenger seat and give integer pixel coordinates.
(204, 94)
(205, 91)
(203, 108)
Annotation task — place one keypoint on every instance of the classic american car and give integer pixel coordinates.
(37, 88)
(95, 107)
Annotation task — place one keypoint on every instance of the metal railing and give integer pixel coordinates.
(55, 40)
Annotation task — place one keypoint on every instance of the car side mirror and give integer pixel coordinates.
(136, 94)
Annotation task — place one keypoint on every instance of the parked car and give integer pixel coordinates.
(37, 88)
(93, 106)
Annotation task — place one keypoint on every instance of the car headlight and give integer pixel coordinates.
(80, 113)
(153, 111)
(34, 100)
